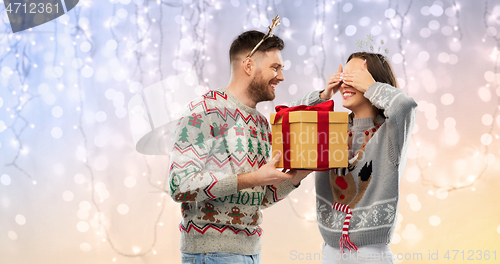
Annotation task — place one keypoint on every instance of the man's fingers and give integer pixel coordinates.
(293, 173)
(276, 159)
(340, 68)
(289, 175)
(307, 172)
(280, 181)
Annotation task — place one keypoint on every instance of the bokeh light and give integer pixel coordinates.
(435, 220)
(65, 135)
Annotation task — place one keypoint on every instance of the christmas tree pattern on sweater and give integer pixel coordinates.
(216, 139)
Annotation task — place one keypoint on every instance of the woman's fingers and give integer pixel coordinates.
(334, 79)
(360, 80)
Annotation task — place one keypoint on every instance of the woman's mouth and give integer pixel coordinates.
(348, 94)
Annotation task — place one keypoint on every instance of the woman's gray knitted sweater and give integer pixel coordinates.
(371, 186)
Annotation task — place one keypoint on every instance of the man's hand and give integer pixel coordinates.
(265, 175)
(332, 85)
(298, 176)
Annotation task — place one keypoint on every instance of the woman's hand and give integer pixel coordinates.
(332, 85)
(360, 79)
(298, 175)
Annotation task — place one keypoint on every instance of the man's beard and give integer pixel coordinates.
(259, 90)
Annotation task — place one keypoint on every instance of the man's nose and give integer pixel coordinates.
(280, 76)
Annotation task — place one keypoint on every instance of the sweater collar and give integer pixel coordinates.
(364, 123)
(239, 104)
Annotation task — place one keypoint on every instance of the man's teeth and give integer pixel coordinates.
(348, 93)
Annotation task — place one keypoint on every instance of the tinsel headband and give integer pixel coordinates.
(368, 43)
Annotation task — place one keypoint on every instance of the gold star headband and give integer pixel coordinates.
(272, 27)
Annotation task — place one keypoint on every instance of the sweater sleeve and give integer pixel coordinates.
(309, 99)
(193, 145)
(399, 110)
(276, 193)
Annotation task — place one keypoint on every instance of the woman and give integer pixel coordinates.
(357, 206)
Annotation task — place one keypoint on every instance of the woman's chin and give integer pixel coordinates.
(345, 105)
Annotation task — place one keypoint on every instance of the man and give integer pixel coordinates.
(221, 170)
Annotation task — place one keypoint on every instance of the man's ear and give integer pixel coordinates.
(248, 66)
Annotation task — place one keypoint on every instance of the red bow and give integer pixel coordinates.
(281, 109)
(323, 110)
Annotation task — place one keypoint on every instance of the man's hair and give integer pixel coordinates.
(245, 43)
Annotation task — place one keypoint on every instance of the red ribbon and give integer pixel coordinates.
(281, 109)
(323, 110)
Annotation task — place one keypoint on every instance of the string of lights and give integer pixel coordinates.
(98, 215)
(145, 26)
(457, 28)
(397, 23)
(427, 178)
(318, 39)
(18, 51)
(200, 19)
(91, 60)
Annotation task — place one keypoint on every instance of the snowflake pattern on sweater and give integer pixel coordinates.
(370, 186)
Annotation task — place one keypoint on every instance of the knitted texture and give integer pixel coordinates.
(217, 139)
(344, 239)
(370, 185)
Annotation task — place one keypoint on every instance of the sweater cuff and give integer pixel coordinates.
(283, 189)
(225, 186)
(371, 90)
(382, 94)
(315, 99)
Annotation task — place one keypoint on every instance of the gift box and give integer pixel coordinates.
(310, 137)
